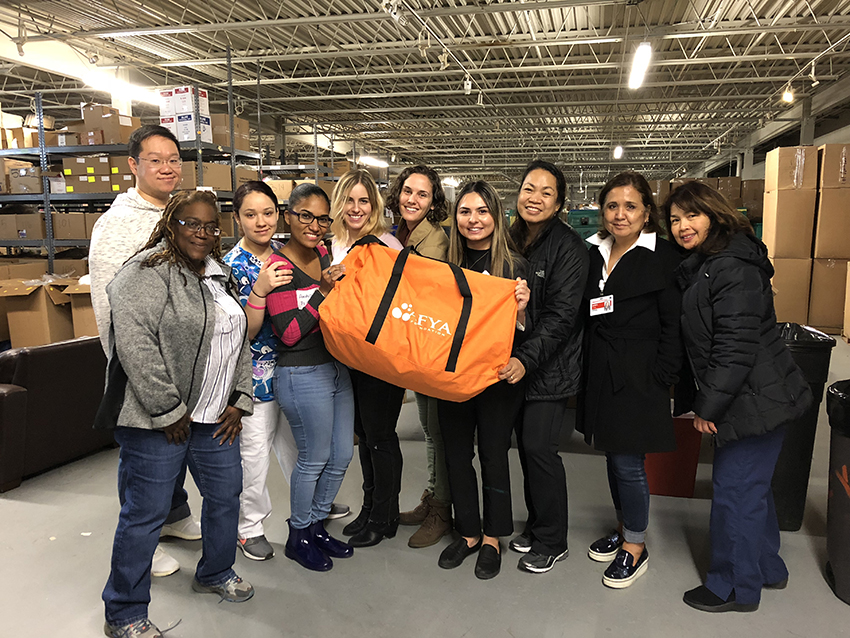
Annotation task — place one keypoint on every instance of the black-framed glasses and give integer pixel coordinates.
(156, 163)
(196, 227)
(307, 218)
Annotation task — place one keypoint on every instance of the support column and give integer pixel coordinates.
(747, 171)
(807, 123)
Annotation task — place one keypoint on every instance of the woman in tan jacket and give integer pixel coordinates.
(417, 195)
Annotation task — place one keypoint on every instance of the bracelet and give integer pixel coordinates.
(256, 295)
(250, 305)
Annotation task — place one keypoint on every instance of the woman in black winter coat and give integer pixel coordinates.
(747, 388)
(632, 355)
(550, 357)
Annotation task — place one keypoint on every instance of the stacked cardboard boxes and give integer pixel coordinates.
(788, 217)
(177, 114)
(8, 166)
(121, 178)
(105, 125)
(90, 174)
(221, 131)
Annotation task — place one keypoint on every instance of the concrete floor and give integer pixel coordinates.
(57, 529)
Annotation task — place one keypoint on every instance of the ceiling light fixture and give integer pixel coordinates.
(368, 160)
(640, 63)
(618, 152)
(451, 181)
(812, 77)
(788, 94)
(394, 9)
(444, 60)
(467, 85)
(102, 82)
(480, 98)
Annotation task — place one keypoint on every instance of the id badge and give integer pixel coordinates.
(602, 305)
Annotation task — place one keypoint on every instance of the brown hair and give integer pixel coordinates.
(639, 183)
(377, 224)
(164, 230)
(725, 221)
(439, 207)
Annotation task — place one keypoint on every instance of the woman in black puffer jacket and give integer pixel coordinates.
(747, 387)
(550, 357)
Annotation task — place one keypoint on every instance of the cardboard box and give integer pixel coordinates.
(8, 228)
(97, 165)
(58, 186)
(118, 128)
(82, 313)
(69, 268)
(22, 269)
(73, 166)
(57, 138)
(282, 188)
(183, 98)
(7, 165)
(791, 168)
(220, 123)
(789, 218)
(846, 330)
(826, 299)
(91, 219)
(119, 165)
(169, 122)
(227, 225)
(675, 183)
(790, 283)
(121, 183)
(69, 225)
(92, 138)
(216, 176)
(660, 187)
(75, 126)
(21, 137)
(37, 314)
(708, 181)
(729, 187)
(832, 224)
(166, 103)
(94, 113)
(832, 166)
(187, 128)
(752, 189)
(25, 180)
(30, 226)
(244, 175)
(88, 184)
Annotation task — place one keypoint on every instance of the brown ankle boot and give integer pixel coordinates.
(417, 515)
(437, 524)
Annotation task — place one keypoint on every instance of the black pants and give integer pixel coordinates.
(493, 414)
(377, 405)
(544, 478)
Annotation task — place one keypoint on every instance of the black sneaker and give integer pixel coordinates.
(338, 510)
(606, 548)
(704, 599)
(521, 543)
(256, 548)
(624, 570)
(540, 563)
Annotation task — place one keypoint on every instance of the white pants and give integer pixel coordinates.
(266, 430)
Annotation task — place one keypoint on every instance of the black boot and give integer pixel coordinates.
(358, 524)
(374, 533)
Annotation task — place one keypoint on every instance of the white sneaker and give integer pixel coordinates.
(163, 564)
(188, 529)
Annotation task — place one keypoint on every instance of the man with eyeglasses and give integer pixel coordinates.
(118, 235)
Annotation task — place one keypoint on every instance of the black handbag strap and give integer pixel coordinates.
(367, 239)
(392, 288)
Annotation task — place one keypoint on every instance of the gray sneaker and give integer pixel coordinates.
(256, 548)
(141, 629)
(234, 590)
(338, 510)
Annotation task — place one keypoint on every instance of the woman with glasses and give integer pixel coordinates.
(178, 386)
(312, 389)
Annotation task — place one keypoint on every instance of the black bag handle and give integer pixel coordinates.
(392, 288)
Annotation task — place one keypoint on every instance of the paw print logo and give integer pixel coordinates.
(404, 312)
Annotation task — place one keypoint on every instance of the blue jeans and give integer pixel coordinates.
(319, 404)
(148, 470)
(744, 530)
(630, 493)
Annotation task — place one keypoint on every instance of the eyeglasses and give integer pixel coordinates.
(307, 218)
(156, 163)
(196, 227)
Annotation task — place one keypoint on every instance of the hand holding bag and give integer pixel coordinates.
(419, 323)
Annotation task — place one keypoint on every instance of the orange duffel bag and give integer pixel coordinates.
(419, 323)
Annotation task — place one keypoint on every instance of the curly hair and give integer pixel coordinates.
(164, 230)
(439, 207)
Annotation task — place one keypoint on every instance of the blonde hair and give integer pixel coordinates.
(502, 252)
(377, 224)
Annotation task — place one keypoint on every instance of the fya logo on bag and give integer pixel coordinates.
(423, 322)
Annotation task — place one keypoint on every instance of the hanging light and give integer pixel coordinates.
(640, 63)
(618, 152)
(788, 94)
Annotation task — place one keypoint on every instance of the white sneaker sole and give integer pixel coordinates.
(165, 572)
(602, 558)
(253, 556)
(542, 570)
(176, 532)
(625, 582)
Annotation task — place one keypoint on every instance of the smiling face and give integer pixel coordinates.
(416, 198)
(195, 245)
(688, 229)
(156, 183)
(257, 218)
(358, 208)
(537, 201)
(624, 214)
(475, 221)
(309, 235)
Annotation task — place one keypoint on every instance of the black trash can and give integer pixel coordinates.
(811, 350)
(838, 503)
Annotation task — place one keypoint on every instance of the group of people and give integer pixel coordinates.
(218, 361)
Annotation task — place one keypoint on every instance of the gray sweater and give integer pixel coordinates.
(162, 327)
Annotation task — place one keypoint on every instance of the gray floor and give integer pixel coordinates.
(57, 528)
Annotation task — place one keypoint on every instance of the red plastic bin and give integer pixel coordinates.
(675, 473)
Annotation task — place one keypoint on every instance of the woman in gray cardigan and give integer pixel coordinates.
(179, 381)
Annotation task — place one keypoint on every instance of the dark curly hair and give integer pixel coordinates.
(164, 230)
(439, 207)
(725, 221)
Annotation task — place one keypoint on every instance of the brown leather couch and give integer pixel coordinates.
(48, 399)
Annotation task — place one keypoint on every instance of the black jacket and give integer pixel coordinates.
(746, 381)
(632, 355)
(557, 272)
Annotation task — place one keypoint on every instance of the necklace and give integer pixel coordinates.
(472, 265)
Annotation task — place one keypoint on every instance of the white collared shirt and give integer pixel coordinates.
(644, 240)
(227, 339)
